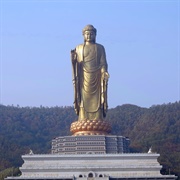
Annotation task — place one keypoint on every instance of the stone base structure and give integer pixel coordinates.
(92, 144)
(92, 157)
(92, 167)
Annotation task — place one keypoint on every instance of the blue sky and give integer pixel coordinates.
(141, 38)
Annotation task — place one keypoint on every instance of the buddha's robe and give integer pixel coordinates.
(91, 87)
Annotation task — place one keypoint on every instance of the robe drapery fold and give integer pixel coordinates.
(90, 87)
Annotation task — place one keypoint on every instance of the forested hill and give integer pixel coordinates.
(24, 128)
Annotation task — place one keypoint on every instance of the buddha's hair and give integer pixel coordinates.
(89, 27)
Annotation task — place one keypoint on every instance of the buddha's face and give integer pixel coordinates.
(89, 36)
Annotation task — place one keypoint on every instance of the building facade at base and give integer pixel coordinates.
(96, 144)
(92, 167)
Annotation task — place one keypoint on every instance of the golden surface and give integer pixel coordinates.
(90, 127)
(90, 80)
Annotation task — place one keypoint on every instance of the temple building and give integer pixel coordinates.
(94, 144)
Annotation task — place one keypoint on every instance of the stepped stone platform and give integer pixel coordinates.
(92, 167)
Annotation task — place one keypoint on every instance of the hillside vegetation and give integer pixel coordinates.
(25, 128)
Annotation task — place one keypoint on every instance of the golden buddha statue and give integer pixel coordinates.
(90, 79)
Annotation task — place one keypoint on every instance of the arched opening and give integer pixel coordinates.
(100, 175)
(90, 175)
(80, 175)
